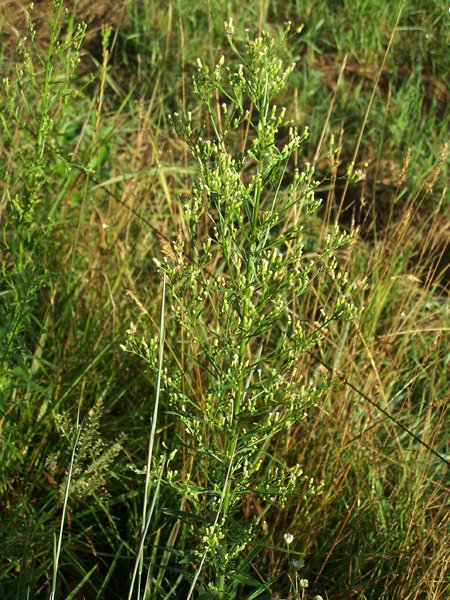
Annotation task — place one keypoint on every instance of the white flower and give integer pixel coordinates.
(288, 538)
(132, 329)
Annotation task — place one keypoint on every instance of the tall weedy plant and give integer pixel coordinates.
(236, 274)
(38, 122)
(33, 108)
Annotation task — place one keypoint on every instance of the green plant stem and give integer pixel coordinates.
(227, 495)
(48, 69)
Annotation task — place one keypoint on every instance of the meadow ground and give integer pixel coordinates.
(234, 419)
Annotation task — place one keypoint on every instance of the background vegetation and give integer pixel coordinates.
(92, 176)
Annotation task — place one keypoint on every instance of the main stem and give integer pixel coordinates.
(234, 426)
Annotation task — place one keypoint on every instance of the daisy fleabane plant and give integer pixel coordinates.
(235, 278)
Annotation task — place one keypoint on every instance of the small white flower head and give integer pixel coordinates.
(318, 597)
(304, 583)
(132, 329)
(288, 538)
(229, 27)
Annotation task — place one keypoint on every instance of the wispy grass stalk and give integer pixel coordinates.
(58, 539)
(147, 510)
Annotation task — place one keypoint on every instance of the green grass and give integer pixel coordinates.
(93, 174)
